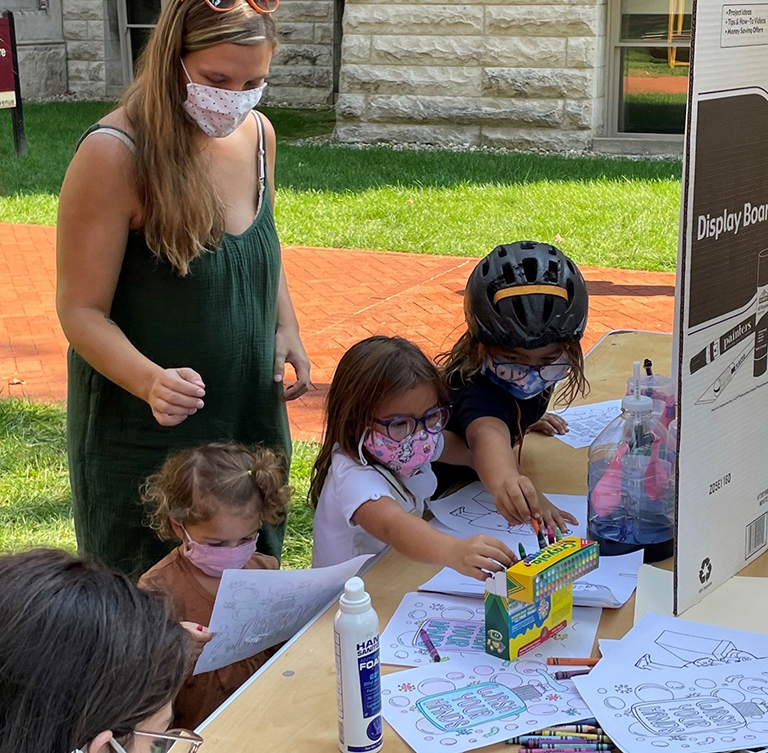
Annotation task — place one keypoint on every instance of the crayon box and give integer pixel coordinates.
(533, 600)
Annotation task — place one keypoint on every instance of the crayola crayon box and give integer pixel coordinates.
(533, 600)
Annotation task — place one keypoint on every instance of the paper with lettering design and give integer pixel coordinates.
(471, 702)
(456, 627)
(708, 709)
(257, 609)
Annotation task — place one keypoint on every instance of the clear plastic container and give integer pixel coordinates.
(660, 389)
(631, 483)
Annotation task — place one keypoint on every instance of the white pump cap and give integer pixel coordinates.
(354, 600)
(637, 403)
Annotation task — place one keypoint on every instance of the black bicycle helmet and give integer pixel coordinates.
(526, 295)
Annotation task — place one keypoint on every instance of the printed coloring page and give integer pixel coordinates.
(257, 609)
(472, 510)
(585, 422)
(456, 627)
(706, 708)
(474, 701)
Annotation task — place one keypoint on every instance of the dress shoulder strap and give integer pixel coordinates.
(114, 131)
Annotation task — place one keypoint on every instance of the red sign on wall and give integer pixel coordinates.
(7, 87)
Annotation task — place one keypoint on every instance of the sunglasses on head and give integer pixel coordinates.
(265, 7)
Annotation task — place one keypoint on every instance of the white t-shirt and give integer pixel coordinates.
(349, 485)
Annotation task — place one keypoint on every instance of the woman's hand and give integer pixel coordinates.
(289, 349)
(175, 394)
(199, 636)
(550, 424)
(479, 556)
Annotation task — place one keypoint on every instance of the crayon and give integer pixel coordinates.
(534, 741)
(579, 749)
(568, 662)
(595, 737)
(584, 725)
(427, 641)
(535, 526)
(553, 744)
(558, 534)
(540, 538)
(571, 673)
(550, 535)
(521, 549)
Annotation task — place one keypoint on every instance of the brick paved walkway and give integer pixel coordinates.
(340, 297)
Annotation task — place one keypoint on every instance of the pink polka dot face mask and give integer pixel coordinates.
(218, 112)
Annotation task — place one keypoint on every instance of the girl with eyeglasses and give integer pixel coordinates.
(171, 290)
(526, 310)
(88, 663)
(386, 412)
(213, 500)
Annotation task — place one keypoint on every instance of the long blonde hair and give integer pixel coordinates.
(183, 216)
(369, 373)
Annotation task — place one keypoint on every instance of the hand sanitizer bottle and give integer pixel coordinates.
(358, 679)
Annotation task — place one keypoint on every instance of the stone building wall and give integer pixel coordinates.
(41, 48)
(502, 74)
(302, 73)
(84, 30)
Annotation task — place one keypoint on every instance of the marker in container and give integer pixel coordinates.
(427, 641)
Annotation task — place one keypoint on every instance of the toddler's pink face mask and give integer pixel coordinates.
(214, 560)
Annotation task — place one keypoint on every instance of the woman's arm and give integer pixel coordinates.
(495, 461)
(288, 345)
(419, 541)
(97, 208)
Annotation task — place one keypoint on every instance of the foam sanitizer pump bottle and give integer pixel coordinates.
(358, 679)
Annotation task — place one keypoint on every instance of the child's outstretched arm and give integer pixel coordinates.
(495, 461)
(455, 450)
(413, 537)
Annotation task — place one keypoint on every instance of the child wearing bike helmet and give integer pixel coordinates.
(526, 311)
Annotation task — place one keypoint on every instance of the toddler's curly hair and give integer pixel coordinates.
(194, 484)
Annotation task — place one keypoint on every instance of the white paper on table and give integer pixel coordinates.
(708, 709)
(724, 606)
(658, 643)
(256, 609)
(611, 584)
(474, 701)
(585, 422)
(448, 581)
(456, 627)
(472, 510)
(606, 645)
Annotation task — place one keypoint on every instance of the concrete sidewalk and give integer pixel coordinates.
(340, 298)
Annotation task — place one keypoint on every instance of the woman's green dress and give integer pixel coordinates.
(219, 320)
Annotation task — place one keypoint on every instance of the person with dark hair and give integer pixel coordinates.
(526, 311)
(385, 414)
(214, 500)
(88, 662)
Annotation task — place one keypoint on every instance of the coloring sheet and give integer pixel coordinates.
(658, 643)
(448, 581)
(611, 584)
(256, 609)
(707, 708)
(471, 511)
(474, 701)
(456, 627)
(585, 422)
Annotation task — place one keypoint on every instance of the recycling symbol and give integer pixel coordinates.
(705, 571)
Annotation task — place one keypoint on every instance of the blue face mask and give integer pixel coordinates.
(522, 386)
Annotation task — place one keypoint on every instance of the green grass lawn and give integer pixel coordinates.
(35, 500)
(616, 213)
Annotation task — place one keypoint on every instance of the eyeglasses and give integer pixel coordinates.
(515, 372)
(172, 741)
(402, 427)
(265, 7)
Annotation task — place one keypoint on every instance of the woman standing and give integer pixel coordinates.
(171, 289)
